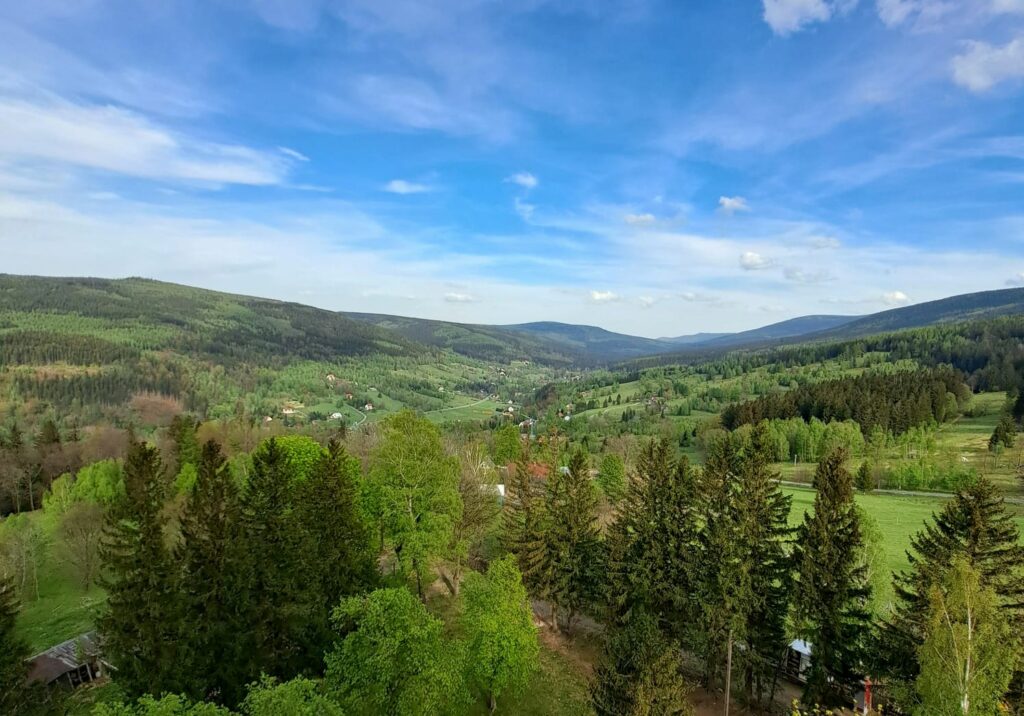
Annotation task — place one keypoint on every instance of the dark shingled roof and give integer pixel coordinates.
(58, 660)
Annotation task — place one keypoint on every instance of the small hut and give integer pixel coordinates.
(70, 663)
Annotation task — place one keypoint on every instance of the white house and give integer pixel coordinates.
(336, 416)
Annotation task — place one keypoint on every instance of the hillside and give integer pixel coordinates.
(793, 328)
(145, 314)
(591, 341)
(968, 306)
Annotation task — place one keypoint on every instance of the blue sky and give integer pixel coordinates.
(656, 168)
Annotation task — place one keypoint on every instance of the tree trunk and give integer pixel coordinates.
(728, 674)
(492, 703)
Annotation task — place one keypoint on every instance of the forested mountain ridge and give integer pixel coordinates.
(968, 306)
(143, 313)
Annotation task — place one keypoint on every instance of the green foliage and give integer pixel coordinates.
(612, 477)
(974, 525)
(139, 623)
(300, 454)
(569, 573)
(213, 637)
(896, 401)
(508, 445)
(832, 590)
(522, 521)
(167, 705)
(865, 481)
(498, 624)
(1005, 433)
(101, 482)
(969, 650)
(393, 658)
(413, 486)
(639, 673)
(298, 697)
(16, 695)
(652, 543)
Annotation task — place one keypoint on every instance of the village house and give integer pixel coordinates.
(70, 664)
(368, 407)
(336, 416)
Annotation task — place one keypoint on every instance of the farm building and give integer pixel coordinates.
(70, 663)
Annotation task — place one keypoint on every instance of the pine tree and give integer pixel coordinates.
(865, 482)
(213, 661)
(721, 578)
(652, 542)
(569, 573)
(275, 576)
(335, 542)
(765, 533)
(975, 525)
(17, 696)
(141, 622)
(832, 592)
(48, 434)
(522, 519)
(639, 673)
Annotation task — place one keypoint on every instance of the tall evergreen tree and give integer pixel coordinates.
(652, 542)
(765, 532)
(213, 660)
(975, 525)
(141, 622)
(336, 545)
(274, 574)
(571, 561)
(522, 520)
(639, 673)
(17, 696)
(722, 578)
(832, 592)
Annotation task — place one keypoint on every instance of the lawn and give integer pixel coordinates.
(898, 518)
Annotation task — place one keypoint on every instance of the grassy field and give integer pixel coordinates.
(898, 518)
(63, 609)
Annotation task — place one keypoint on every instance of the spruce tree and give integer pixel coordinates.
(652, 542)
(274, 575)
(975, 525)
(570, 570)
(213, 661)
(831, 593)
(522, 515)
(721, 578)
(639, 673)
(17, 696)
(141, 623)
(766, 535)
(336, 546)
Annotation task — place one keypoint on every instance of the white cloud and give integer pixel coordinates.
(1013, 7)
(895, 298)
(825, 242)
(455, 297)
(1016, 280)
(787, 16)
(123, 142)
(982, 66)
(639, 219)
(646, 301)
(401, 186)
(797, 275)
(523, 179)
(732, 204)
(524, 209)
(293, 153)
(753, 261)
(603, 296)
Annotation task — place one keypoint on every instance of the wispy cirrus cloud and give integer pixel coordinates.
(116, 140)
(402, 186)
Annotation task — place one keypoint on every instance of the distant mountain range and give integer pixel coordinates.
(216, 323)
